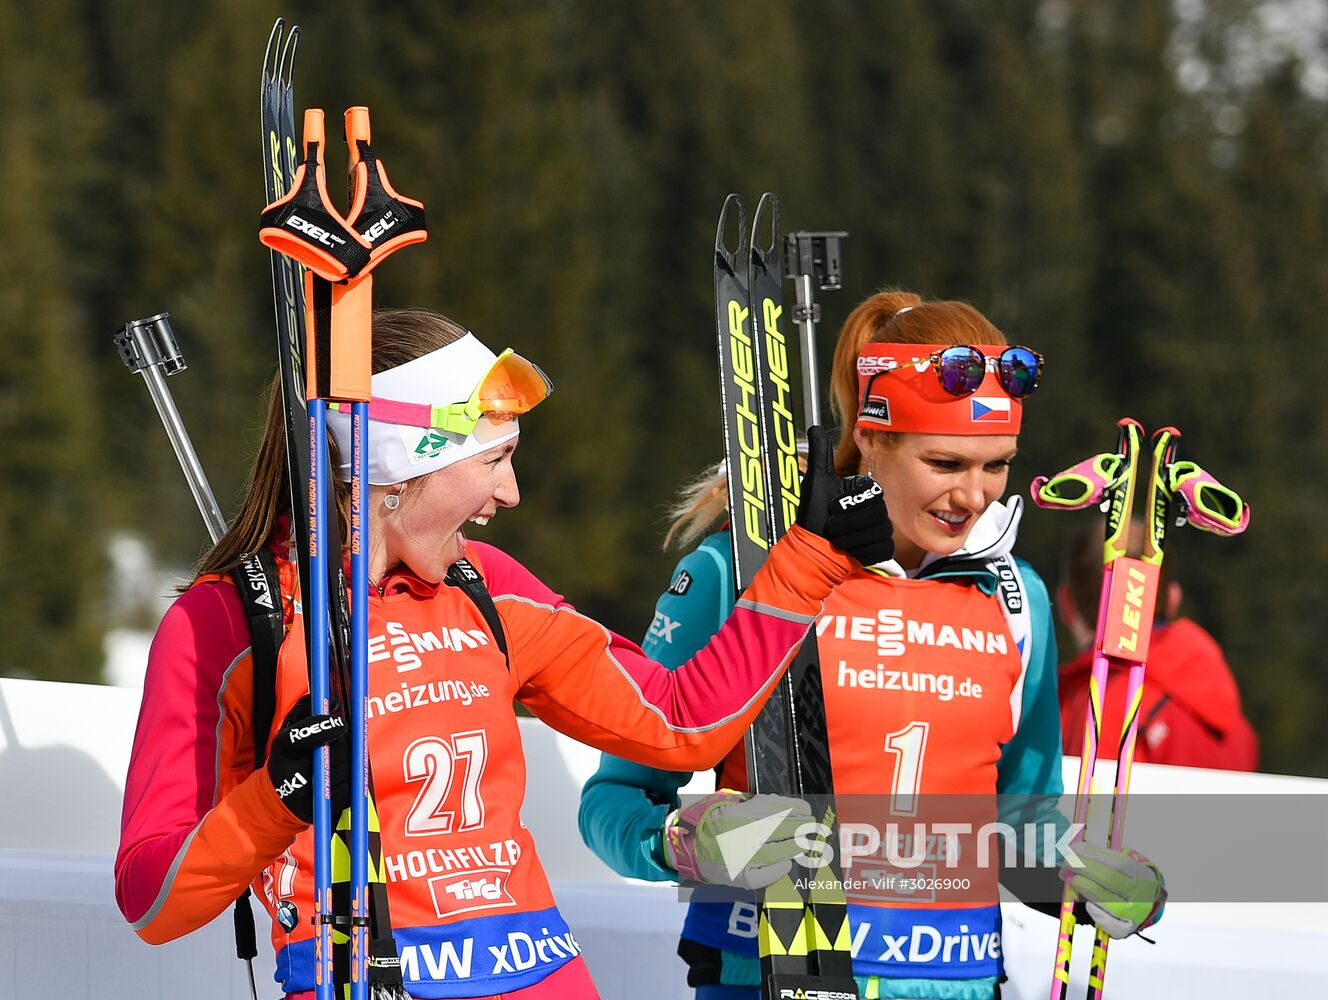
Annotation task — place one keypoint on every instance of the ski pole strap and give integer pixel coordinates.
(1206, 503)
(384, 219)
(338, 332)
(305, 225)
(246, 937)
(1080, 486)
(462, 575)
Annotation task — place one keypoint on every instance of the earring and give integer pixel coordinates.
(392, 501)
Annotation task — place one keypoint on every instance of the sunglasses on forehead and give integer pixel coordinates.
(961, 369)
(512, 386)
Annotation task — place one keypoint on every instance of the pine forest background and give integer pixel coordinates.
(1139, 189)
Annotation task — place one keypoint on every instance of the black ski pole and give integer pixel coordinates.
(803, 938)
(812, 257)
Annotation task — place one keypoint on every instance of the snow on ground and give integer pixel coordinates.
(141, 591)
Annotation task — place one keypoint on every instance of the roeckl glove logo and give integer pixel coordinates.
(298, 733)
(291, 785)
(846, 502)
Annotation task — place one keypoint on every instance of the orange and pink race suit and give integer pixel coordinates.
(471, 905)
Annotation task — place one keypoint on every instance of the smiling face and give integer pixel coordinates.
(426, 532)
(936, 486)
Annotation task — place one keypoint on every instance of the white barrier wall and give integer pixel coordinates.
(63, 753)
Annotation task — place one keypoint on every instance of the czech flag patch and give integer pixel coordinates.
(990, 409)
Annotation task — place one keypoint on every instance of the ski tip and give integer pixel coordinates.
(768, 205)
(271, 53)
(733, 211)
(286, 61)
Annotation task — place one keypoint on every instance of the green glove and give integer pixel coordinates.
(1123, 891)
(730, 838)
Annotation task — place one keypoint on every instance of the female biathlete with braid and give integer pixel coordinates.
(472, 911)
(938, 667)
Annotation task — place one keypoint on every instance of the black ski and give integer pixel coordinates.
(739, 398)
(280, 157)
(804, 937)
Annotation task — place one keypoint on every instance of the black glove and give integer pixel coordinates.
(849, 512)
(290, 761)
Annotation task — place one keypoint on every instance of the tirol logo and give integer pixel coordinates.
(478, 889)
(681, 583)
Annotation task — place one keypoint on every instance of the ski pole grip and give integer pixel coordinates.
(150, 343)
(357, 127)
(817, 255)
(1080, 486)
(1206, 503)
(313, 131)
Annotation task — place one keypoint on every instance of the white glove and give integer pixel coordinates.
(1123, 891)
(730, 838)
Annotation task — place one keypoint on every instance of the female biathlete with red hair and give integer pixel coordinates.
(938, 667)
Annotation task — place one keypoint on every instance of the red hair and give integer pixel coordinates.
(897, 317)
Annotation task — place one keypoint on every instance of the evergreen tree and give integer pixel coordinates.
(51, 532)
(1274, 429)
(1107, 180)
